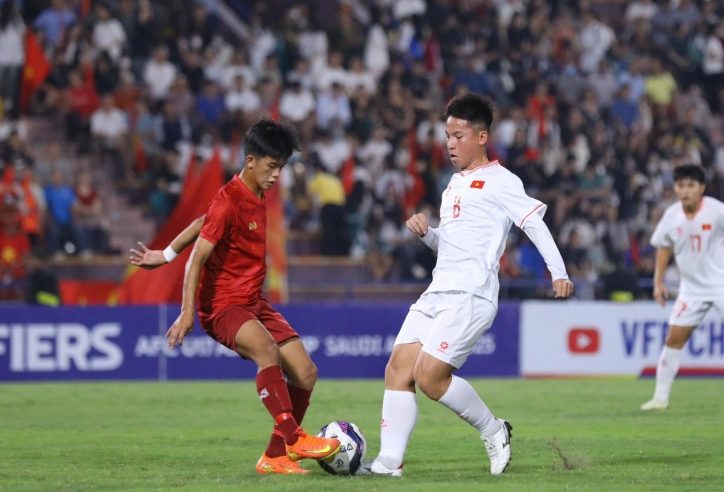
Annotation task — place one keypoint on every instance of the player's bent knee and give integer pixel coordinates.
(678, 336)
(265, 355)
(307, 377)
(432, 385)
(398, 377)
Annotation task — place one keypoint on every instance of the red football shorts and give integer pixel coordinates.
(224, 326)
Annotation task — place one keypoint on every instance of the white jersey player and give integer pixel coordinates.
(693, 229)
(478, 209)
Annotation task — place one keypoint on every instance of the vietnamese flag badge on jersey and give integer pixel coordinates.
(706, 227)
(477, 184)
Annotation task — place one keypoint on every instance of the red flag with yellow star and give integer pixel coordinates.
(477, 184)
(36, 69)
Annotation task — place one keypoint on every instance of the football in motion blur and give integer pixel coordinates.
(351, 452)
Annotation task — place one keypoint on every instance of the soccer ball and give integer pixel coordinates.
(351, 452)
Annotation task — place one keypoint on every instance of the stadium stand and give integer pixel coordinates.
(597, 103)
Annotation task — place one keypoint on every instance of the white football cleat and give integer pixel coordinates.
(498, 448)
(374, 467)
(364, 468)
(655, 404)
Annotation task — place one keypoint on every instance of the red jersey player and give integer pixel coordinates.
(228, 262)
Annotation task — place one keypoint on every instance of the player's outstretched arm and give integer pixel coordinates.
(663, 256)
(419, 225)
(185, 321)
(149, 259)
(538, 232)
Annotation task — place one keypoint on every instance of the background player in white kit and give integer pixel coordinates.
(693, 228)
(478, 209)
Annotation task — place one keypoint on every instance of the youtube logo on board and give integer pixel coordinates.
(584, 340)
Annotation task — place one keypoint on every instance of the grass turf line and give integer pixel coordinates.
(576, 434)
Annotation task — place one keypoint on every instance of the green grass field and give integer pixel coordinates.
(569, 434)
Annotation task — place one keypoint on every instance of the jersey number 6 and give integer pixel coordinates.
(456, 207)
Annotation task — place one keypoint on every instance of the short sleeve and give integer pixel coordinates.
(660, 239)
(218, 221)
(516, 204)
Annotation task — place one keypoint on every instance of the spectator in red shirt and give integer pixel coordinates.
(80, 101)
(537, 104)
(14, 249)
(89, 214)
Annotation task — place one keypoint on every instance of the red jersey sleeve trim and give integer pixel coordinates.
(209, 238)
(522, 223)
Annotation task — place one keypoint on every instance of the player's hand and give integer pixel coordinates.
(562, 288)
(180, 328)
(418, 224)
(660, 293)
(148, 259)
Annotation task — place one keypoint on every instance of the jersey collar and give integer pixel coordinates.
(489, 164)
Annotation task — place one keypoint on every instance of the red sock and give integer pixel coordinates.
(300, 402)
(273, 392)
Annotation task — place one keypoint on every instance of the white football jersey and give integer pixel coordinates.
(477, 211)
(698, 246)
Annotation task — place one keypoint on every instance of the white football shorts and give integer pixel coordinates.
(689, 312)
(447, 324)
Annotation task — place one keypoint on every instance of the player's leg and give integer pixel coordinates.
(399, 403)
(301, 375)
(399, 408)
(456, 330)
(685, 317)
(253, 341)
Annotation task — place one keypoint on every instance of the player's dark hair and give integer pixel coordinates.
(474, 108)
(690, 171)
(267, 138)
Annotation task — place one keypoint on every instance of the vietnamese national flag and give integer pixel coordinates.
(477, 184)
(706, 227)
(36, 69)
(165, 284)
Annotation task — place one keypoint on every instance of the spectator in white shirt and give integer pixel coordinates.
(239, 66)
(109, 129)
(375, 150)
(377, 49)
(302, 74)
(332, 152)
(159, 74)
(360, 77)
(241, 98)
(333, 110)
(334, 72)
(12, 54)
(108, 33)
(641, 9)
(297, 104)
(436, 125)
(595, 38)
(109, 125)
(713, 64)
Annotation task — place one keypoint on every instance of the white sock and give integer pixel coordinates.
(462, 399)
(399, 414)
(666, 372)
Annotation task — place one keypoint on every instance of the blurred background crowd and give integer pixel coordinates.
(597, 102)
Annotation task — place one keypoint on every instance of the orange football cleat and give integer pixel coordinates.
(312, 447)
(279, 466)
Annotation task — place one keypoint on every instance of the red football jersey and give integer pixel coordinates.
(234, 273)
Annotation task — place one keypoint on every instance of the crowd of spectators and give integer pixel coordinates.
(596, 102)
